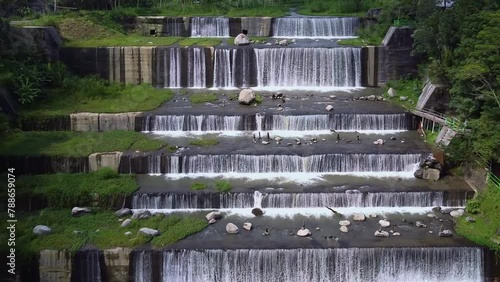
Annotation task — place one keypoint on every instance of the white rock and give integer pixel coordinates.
(329, 108)
(149, 231)
(373, 215)
(371, 97)
(128, 233)
(126, 222)
(431, 215)
(391, 92)
(77, 210)
(396, 234)
(359, 217)
(283, 42)
(265, 142)
(246, 97)
(232, 229)
(457, 213)
(344, 223)
(445, 233)
(303, 232)
(379, 142)
(241, 39)
(141, 214)
(213, 215)
(212, 221)
(384, 223)
(42, 230)
(278, 139)
(333, 97)
(344, 229)
(381, 234)
(247, 226)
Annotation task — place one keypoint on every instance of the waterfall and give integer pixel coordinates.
(196, 67)
(308, 67)
(175, 165)
(297, 200)
(154, 163)
(308, 27)
(223, 72)
(192, 200)
(448, 264)
(87, 266)
(337, 122)
(142, 265)
(174, 68)
(209, 27)
(195, 123)
(291, 163)
(258, 121)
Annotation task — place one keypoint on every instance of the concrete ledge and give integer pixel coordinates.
(54, 265)
(108, 159)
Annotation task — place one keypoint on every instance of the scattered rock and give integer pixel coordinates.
(257, 212)
(420, 224)
(396, 234)
(441, 220)
(373, 215)
(213, 215)
(381, 234)
(141, 214)
(42, 230)
(76, 211)
(333, 97)
(212, 221)
(344, 229)
(76, 232)
(393, 138)
(265, 142)
(283, 42)
(445, 233)
(247, 226)
(431, 174)
(379, 98)
(318, 229)
(344, 223)
(329, 108)
(123, 212)
(447, 210)
(436, 209)
(430, 231)
(391, 92)
(359, 217)
(379, 142)
(149, 232)
(246, 97)
(128, 233)
(303, 232)
(470, 219)
(371, 98)
(457, 213)
(384, 223)
(232, 229)
(431, 215)
(126, 222)
(403, 98)
(278, 139)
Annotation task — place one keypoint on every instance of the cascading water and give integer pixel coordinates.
(174, 68)
(290, 163)
(87, 266)
(154, 163)
(343, 265)
(142, 263)
(223, 72)
(209, 27)
(308, 67)
(315, 27)
(196, 68)
(194, 123)
(296, 200)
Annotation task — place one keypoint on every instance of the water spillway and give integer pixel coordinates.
(176, 67)
(352, 264)
(269, 122)
(296, 200)
(87, 266)
(209, 27)
(315, 27)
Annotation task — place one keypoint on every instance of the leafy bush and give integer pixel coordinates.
(106, 173)
(223, 186)
(473, 207)
(198, 186)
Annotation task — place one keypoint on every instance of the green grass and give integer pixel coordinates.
(76, 144)
(223, 186)
(199, 98)
(338, 7)
(104, 188)
(91, 94)
(410, 88)
(259, 99)
(139, 40)
(197, 186)
(204, 142)
(485, 211)
(360, 42)
(101, 229)
(430, 137)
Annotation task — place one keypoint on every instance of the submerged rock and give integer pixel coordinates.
(344, 223)
(359, 217)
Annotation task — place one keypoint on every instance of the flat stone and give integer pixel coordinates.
(213, 215)
(457, 213)
(359, 217)
(344, 223)
(381, 234)
(373, 215)
(149, 231)
(329, 108)
(247, 226)
(445, 233)
(431, 215)
(396, 234)
(420, 224)
(79, 211)
(344, 229)
(384, 223)
(123, 212)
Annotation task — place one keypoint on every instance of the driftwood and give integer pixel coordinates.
(334, 212)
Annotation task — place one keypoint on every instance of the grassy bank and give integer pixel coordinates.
(100, 228)
(139, 40)
(204, 142)
(338, 7)
(91, 94)
(104, 188)
(76, 144)
(409, 88)
(360, 42)
(199, 98)
(485, 209)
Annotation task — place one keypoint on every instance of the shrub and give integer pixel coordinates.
(223, 186)
(106, 173)
(198, 186)
(473, 207)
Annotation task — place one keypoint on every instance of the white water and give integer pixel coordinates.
(315, 27)
(308, 67)
(209, 27)
(192, 123)
(223, 71)
(343, 265)
(196, 68)
(173, 77)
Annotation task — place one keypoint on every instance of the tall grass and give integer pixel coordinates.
(338, 7)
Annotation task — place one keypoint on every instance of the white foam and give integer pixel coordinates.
(307, 88)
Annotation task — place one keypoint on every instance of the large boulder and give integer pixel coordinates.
(241, 39)
(457, 213)
(149, 232)
(232, 229)
(77, 211)
(213, 215)
(419, 173)
(141, 214)
(359, 217)
(257, 212)
(42, 230)
(246, 97)
(303, 232)
(431, 174)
